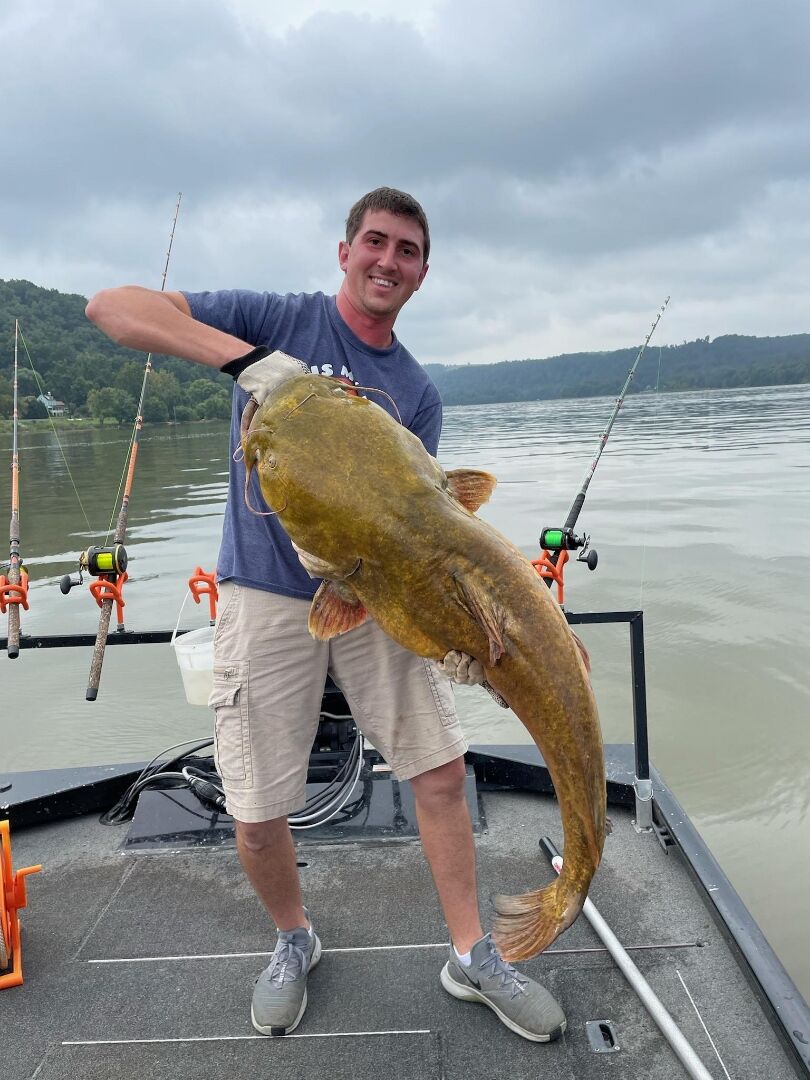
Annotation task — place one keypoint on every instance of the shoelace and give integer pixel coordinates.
(287, 962)
(506, 971)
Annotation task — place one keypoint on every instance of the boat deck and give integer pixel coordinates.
(144, 964)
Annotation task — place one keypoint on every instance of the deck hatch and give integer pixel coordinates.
(601, 1036)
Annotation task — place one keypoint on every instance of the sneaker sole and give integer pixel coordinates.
(469, 993)
(275, 1030)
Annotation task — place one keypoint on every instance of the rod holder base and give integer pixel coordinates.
(643, 821)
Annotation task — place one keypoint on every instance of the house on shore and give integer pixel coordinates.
(54, 407)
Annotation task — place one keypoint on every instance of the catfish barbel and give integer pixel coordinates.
(396, 538)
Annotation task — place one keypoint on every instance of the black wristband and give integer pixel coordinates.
(234, 368)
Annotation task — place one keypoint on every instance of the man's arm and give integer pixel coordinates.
(161, 322)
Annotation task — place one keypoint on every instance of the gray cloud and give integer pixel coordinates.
(578, 162)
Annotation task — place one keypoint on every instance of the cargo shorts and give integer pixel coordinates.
(269, 676)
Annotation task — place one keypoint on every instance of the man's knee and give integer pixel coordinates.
(258, 836)
(442, 785)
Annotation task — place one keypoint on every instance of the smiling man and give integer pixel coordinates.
(269, 673)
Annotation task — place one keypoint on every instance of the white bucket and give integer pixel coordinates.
(195, 657)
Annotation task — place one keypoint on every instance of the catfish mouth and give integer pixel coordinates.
(254, 445)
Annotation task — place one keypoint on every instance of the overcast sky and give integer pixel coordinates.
(578, 161)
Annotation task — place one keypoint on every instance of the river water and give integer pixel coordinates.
(699, 510)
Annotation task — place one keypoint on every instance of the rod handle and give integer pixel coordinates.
(13, 646)
(98, 651)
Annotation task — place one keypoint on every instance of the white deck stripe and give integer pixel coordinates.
(365, 948)
(703, 1025)
(241, 1038)
(233, 956)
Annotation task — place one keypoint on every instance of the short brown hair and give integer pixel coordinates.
(394, 202)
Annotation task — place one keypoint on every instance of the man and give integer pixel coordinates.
(268, 672)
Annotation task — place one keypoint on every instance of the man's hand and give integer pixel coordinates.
(260, 371)
(462, 668)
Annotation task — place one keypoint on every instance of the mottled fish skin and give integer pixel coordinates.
(365, 503)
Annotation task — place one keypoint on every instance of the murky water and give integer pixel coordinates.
(700, 512)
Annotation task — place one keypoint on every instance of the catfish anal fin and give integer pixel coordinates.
(335, 609)
(471, 487)
(487, 612)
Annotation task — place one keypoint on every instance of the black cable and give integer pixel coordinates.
(204, 782)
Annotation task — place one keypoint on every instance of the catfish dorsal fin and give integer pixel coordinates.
(335, 609)
(471, 487)
(487, 612)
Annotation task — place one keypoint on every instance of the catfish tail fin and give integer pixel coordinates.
(525, 925)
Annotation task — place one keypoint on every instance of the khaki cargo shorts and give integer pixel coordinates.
(269, 675)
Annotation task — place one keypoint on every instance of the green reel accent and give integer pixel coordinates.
(104, 560)
(552, 539)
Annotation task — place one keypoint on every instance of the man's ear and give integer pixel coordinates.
(422, 274)
(343, 255)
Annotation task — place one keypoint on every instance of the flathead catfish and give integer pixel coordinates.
(396, 538)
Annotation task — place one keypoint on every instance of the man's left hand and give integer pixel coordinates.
(462, 669)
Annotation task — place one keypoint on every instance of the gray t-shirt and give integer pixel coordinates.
(255, 550)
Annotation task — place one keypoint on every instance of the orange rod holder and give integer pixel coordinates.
(106, 590)
(12, 898)
(11, 593)
(553, 572)
(201, 584)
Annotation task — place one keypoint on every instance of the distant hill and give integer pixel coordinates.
(731, 360)
(74, 360)
(77, 364)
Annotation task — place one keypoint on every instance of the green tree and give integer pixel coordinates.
(155, 410)
(129, 377)
(165, 386)
(109, 401)
(215, 407)
(6, 398)
(198, 390)
(31, 409)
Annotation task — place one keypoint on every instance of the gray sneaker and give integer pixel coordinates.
(280, 995)
(523, 1005)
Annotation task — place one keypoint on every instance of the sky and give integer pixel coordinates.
(578, 161)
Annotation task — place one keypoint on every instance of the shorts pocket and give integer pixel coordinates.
(229, 700)
(442, 689)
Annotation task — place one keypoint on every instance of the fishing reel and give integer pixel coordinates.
(103, 562)
(566, 540)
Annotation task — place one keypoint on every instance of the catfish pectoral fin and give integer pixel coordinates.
(583, 652)
(335, 609)
(525, 925)
(487, 612)
(471, 487)
(320, 568)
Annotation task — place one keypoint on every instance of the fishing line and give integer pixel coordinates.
(646, 527)
(90, 528)
(376, 390)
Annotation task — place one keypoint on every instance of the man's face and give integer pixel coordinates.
(383, 264)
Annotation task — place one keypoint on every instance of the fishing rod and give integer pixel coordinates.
(14, 588)
(558, 542)
(109, 563)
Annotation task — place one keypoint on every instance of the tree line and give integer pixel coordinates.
(77, 364)
(728, 361)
